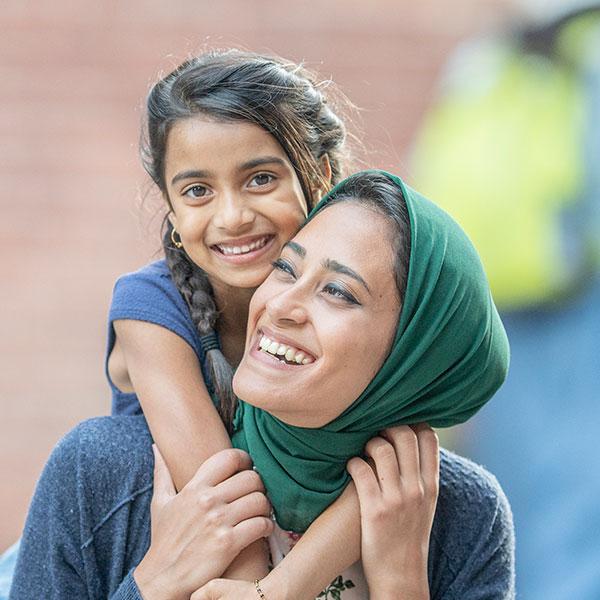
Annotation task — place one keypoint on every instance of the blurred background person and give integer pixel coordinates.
(511, 148)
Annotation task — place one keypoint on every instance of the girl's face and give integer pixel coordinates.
(235, 197)
(323, 322)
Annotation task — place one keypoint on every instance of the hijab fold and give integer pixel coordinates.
(449, 356)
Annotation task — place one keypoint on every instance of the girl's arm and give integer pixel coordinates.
(394, 508)
(329, 546)
(166, 376)
(397, 505)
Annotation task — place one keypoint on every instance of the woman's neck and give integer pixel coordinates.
(232, 304)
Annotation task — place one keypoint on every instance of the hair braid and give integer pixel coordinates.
(233, 86)
(193, 284)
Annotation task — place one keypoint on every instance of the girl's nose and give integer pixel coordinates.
(234, 215)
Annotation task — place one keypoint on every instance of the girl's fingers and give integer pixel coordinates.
(365, 482)
(405, 443)
(239, 485)
(384, 456)
(429, 456)
(252, 505)
(221, 466)
(164, 489)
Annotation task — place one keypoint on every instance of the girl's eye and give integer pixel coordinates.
(283, 266)
(196, 191)
(338, 292)
(261, 179)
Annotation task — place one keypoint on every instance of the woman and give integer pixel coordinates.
(339, 300)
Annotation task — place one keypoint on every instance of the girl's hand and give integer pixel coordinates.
(196, 533)
(226, 589)
(397, 499)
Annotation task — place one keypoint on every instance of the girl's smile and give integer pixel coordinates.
(235, 198)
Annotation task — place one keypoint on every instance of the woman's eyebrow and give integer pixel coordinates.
(329, 264)
(334, 265)
(297, 248)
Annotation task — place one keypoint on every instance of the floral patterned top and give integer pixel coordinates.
(350, 585)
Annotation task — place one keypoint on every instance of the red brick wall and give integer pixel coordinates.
(73, 77)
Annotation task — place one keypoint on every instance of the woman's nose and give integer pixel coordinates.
(288, 307)
(233, 214)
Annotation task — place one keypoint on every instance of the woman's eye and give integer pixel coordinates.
(284, 267)
(196, 191)
(261, 179)
(338, 292)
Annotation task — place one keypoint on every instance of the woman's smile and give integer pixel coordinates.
(333, 283)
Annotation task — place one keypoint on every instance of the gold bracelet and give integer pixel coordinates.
(258, 590)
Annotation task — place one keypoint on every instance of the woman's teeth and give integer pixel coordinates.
(245, 248)
(281, 351)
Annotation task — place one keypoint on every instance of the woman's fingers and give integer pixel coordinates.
(406, 445)
(384, 456)
(248, 531)
(254, 504)
(164, 489)
(240, 484)
(365, 482)
(429, 456)
(221, 466)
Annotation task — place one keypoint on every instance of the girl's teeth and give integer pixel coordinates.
(245, 248)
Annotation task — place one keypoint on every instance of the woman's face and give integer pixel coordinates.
(322, 323)
(235, 197)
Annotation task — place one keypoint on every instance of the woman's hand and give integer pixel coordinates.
(196, 533)
(397, 498)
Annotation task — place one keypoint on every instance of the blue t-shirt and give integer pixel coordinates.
(150, 295)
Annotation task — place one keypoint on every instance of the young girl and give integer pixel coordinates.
(240, 146)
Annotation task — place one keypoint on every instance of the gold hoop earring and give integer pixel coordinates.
(176, 243)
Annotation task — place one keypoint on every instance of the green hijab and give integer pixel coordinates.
(450, 354)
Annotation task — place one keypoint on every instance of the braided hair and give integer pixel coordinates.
(228, 86)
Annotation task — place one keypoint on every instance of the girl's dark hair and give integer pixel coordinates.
(378, 192)
(229, 86)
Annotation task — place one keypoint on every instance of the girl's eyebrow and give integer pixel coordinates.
(262, 160)
(329, 264)
(245, 166)
(195, 174)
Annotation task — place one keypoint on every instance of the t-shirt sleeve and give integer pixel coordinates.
(149, 295)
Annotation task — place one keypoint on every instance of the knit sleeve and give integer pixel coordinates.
(128, 590)
(478, 535)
